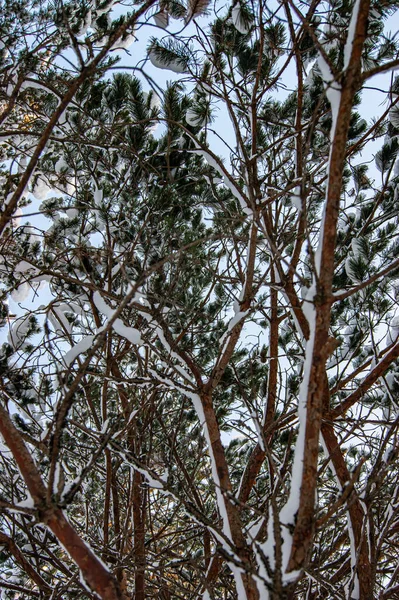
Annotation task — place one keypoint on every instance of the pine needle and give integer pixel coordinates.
(196, 8)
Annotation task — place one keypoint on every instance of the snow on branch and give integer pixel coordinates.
(130, 333)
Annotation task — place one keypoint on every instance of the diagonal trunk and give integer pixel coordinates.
(93, 570)
(139, 536)
(231, 517)
(320, 346)
(356, 514)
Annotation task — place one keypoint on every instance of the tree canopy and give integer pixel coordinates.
(199, 264)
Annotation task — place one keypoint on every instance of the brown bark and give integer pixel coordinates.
(97, 576)
(232, 512)
(94, 572)
(216, 449)
(305, 522)
(356, 513)
(304, 528)
(139, 536)
(107, 500)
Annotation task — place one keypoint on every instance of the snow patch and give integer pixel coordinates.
(130, 333)
(83, 346)
(239, 316)
(290, 509)
(174, 65)
(351, 34)
(296, 200)
(161, 19)
(193, 119)
(238, 21)
(333, 91)
(41, 189)
(27, 503)
(21, 292)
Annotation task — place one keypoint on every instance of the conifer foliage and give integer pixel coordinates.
(199, 263)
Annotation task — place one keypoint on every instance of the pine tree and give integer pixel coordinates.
(199, 369)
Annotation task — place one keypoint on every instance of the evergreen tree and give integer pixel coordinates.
(199, 362)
